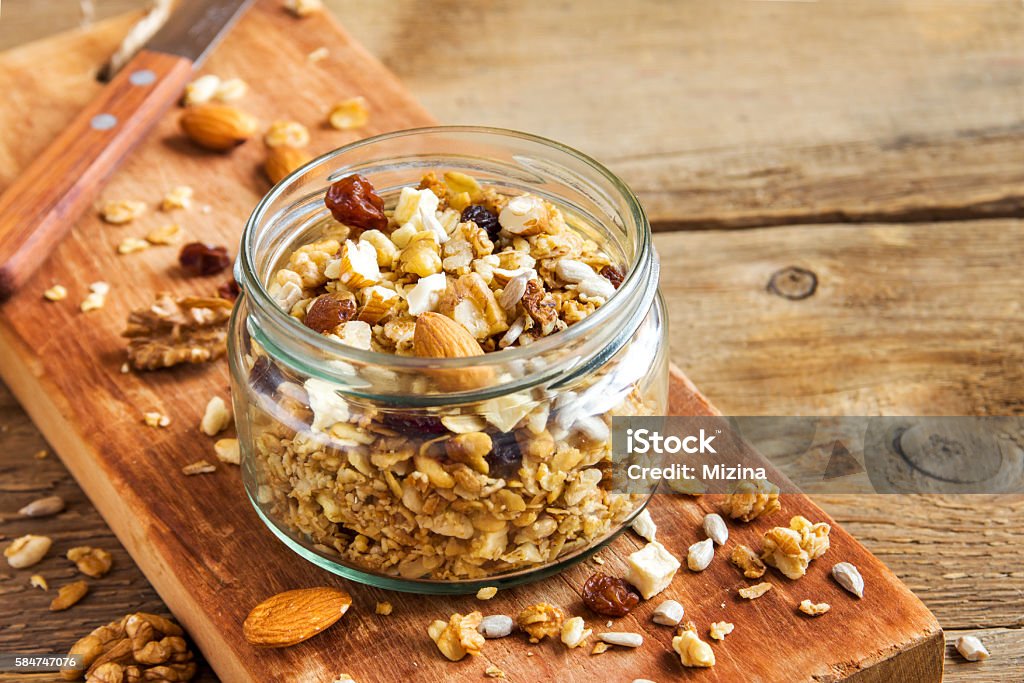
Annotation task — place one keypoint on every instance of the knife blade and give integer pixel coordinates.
(39, 208)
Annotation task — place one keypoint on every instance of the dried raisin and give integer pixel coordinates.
(409, 424)
(199, 258)
(229, 290)
(353, 201)
(505, 456)
(613, 275)
(483, 218)
(265, 377)
(326, 312)
(609, 596)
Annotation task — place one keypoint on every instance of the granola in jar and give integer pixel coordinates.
(450, 477)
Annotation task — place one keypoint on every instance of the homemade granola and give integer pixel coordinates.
(447, 269)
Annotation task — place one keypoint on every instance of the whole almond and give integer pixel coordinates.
(294, 616)
(438, 336)
(282, 160)
(219, 127)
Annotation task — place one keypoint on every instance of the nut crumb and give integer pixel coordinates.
(120, 211)
(286, 134)
(38, 581)
(96, 298)
(166, 234)
(68, 595)
(230, 90)
(201, 90)
(600, 648)
(383, 608)
(56, 293)
(598, 560)
(720, 629)
(747, 561)
(814, 609)
(228, 451)
(130, 245)
(216, 417)
(199, 467)
(971, 648)
(575, 633)
(486, 593)
(41, 455)
(179, 197)
(303, 8)
(155, 419)
(319, 54)
(755, 591)
(349, 114)
(493, 672)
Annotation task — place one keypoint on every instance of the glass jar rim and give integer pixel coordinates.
(637, 278)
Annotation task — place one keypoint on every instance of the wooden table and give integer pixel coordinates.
(877, 144)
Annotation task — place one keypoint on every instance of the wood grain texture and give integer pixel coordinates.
(38, 209)
(906, 319)
(739, 113)
(200, 548)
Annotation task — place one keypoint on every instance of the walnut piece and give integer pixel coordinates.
(790, 550)
(692, 651)
(751, 499)
(173, 331)
(94, 562)
(541, 621)
(138, 647)
(814, 609)
(748, 562)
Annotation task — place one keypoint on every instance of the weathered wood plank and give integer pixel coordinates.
(905, 319)
(740, 113)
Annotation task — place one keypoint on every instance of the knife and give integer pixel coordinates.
(42, 204)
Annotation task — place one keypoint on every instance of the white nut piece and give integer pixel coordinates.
(700, 555)
(216, 417)
(848, 576)
(971, 649)
(427, 293)
(715, 528)
(43, 507)
(645, 527)
(575, 632)
(622, 638)
(668, 613)
(523, 215)
(651, 569)
(495, 626)
(27, 550)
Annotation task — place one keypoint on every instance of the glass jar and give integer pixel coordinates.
(347, 454)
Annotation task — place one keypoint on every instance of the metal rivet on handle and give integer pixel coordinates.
(103, 122)
(142, 77)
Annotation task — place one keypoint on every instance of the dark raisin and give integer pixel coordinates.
(609, 596)
(229, 290)
(327, 312)
(265, 377)
(505, 457)
(483, 218)
(613, 275)
(353, 201)
(198, 258)
(410, 424)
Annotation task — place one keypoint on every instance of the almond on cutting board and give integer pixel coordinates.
(291, 617)
(218, 127)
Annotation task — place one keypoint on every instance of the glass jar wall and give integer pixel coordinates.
(445, 475)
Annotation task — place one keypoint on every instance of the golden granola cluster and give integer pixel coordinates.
(509, 270)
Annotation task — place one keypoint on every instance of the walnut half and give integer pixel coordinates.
(173, 331)
(139, 647)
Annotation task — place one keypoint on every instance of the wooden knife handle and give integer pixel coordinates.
(42, 204)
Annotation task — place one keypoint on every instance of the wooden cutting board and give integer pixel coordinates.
(198, 540)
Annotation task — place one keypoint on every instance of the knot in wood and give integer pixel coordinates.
(793, 283)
